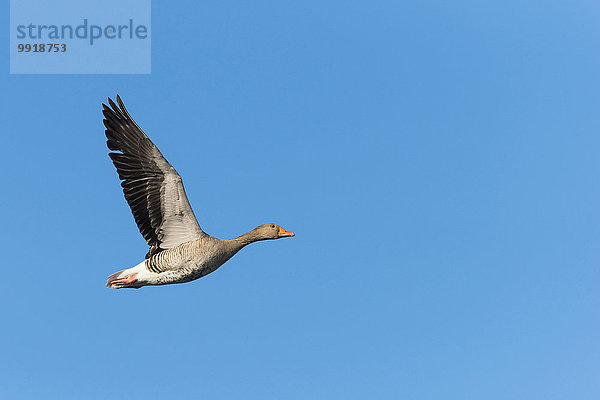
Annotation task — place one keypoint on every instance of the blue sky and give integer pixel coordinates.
(438, 163)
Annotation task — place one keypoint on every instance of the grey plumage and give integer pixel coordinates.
(152, 187)
(179, 250)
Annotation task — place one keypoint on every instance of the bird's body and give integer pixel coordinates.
(180, 251)
(183, 263)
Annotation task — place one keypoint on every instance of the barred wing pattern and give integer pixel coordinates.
(152, 187)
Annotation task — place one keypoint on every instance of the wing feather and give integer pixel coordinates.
(152, 187)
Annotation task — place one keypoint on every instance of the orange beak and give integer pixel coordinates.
(284, 233)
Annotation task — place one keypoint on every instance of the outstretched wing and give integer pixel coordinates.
(152, 187)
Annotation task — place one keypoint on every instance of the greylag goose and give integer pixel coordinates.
(180, 251)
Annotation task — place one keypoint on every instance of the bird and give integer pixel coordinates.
(179, 250)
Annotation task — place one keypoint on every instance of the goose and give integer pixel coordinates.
(179, 250)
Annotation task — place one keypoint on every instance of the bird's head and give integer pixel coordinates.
(271, 231)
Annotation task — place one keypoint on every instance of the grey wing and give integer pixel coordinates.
(152, 187)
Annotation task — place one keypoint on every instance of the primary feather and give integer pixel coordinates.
(152, 187)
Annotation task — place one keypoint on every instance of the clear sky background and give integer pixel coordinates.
(439, 164)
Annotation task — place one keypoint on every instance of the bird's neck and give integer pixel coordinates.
(246, 239)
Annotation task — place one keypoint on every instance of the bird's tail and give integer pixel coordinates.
(114, 277)
(127, 277)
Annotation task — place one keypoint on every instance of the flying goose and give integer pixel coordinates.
(180, 251)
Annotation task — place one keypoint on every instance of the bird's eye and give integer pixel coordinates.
(272, 226)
